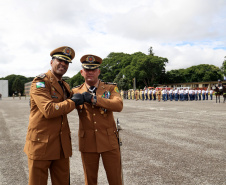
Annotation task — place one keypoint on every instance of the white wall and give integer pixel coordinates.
(4, 89)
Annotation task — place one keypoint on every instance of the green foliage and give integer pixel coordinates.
(122, 68)
(18, 86)
(223, 67)
(76, 80)
(199, 73)
(12, 78)
(148, 70)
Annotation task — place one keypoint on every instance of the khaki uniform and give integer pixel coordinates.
(98, 134)
(132, 94)
(122, 94)
(159, 93)
(137, 94)
(48, 140)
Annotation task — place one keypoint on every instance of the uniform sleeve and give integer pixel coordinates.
(115, 102)
(43, 100)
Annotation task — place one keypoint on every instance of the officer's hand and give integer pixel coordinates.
(87, 97)
(78, 99)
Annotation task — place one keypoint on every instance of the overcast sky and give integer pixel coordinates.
(187, 32)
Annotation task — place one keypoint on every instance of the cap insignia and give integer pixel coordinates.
(67, 51)
(90, 59)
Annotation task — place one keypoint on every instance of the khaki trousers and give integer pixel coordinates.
(111, 162)
(38, 171)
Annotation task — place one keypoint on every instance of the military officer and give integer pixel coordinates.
(129, 93)
(19, 94)
(122, 94)
(132, 93)
(203, 94)
(97, 128)
(154, 94)
(207, 93)
(211, 94)
(150, 93)
(137, 94)
(159, 93)
(48, 141)
(146, 93)
(199, 92)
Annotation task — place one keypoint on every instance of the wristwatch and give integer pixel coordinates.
(94, 100)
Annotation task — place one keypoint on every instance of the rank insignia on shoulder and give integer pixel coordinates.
(40, 85)
(41, 75)
(110, 83)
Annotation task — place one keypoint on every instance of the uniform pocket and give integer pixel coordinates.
(38, 143)
(113, 140)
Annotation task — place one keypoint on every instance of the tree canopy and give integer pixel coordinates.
(18, 85)
(146, 70)
(199, 73)
(223, 68)
(123, 68)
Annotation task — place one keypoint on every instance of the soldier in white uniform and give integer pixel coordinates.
(211, 93)
(207, 94)
(203, 94)
(154, 94)
(199, 91)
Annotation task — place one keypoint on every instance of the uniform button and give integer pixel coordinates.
(38, 139)
(62, 123)
(60, 132)
(96, 130)
(95, 122)
(94, 114)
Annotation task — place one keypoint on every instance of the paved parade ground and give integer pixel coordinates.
(171, 143)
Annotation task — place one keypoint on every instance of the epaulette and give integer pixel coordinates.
(41, 75)
(76, 86)
(110, 83)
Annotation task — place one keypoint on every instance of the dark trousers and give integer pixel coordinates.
(150, 96)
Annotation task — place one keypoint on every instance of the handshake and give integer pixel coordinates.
(79, 99)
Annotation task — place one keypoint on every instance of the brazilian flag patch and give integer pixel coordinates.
(40, 85)
(116, 89)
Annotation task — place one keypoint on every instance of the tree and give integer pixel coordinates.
(199, 73)
(147, 69)
(223, 67)
(76, 80)
(12, 78)
(18, 86)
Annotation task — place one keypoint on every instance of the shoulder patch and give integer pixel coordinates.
(116, 89)
(41, 75)
(40, 84)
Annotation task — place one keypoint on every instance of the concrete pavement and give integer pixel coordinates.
(163, 143)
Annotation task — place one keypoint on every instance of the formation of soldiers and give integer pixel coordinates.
(171, 94)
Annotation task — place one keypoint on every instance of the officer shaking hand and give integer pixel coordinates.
(48, 141)
(97, 128)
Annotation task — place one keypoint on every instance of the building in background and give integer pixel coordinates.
(4, 88)
(27, 87)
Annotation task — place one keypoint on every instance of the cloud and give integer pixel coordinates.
(187, 32)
